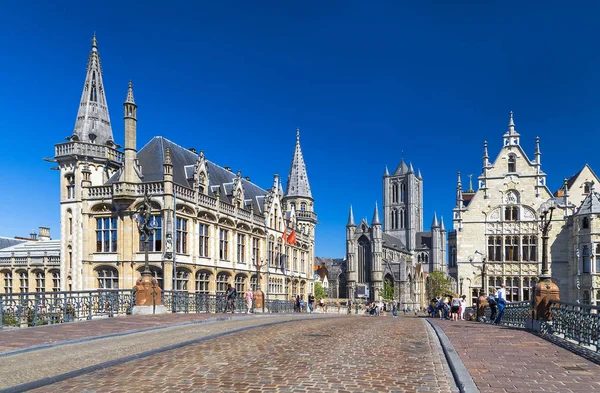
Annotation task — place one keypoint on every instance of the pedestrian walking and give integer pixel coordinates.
(301, 304)
(230, 296)
(491, 299)
(297, 304)
(501, 300)
(249, 296)
(463, 306)
(394, 310)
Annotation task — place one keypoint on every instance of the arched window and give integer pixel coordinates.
(108, 278)
(512, 163)
(7, 278)
(586, 259)
(586, 297)
(40, 281)
(364, 260)
(585, 223)
(240, 283)
(393, 215)
(181, 279)
(157, 273)
(222, 281)
(253, 282)
(303, 206)
(302, 287)
(202, 281)
(395, 193)
(55, 280)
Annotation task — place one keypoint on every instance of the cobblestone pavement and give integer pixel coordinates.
(18, 338)
(501, 359)
(71, 357)
(342, 354)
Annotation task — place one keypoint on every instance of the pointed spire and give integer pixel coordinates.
(93, 121)
(419, 174)
(434, 223)
(297, 184)
(459, 183)
(402, 168)
(511, 137)
(470, 190)
(442, 226)
(410, 169)
(376, 220)
(511, 123)
(538, 153)
(459, 194)
(386, 173)
(168, 156)
(351, 218)
(130, 99)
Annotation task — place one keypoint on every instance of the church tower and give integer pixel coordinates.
(403, 204)
(298, 197)
(88, 158)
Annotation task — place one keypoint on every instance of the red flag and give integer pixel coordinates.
(292, 237)
(283, 236)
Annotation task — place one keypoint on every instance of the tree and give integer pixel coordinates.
(388, 291)
(438, 284)
(319, 291)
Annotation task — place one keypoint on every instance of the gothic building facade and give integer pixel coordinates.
(500, 223)
(213, 226)
(396, 251)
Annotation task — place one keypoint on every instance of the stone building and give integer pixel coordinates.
(30, 264)
(213, 226)
(499, 222)
(397, 251)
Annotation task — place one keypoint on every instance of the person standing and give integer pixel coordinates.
(501, 300)
(249, 296)
(463, 305)
(491, 299)
(311, 303)
(454, 308)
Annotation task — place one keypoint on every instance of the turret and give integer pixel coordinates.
(511, 137)
(351, 219)
(130, 118)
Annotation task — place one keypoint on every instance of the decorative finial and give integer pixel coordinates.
(168, 156)
(470, 183)
(94, 43)
(511, 122)
(459, 182)
(298, 134)
(130, 99)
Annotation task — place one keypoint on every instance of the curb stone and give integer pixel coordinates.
(461, 375)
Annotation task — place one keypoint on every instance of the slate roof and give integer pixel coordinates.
(591, 204)
(297, 184)
(33, 249)
(152, 158)
(9, 241)
(424, 238)
(390, 241)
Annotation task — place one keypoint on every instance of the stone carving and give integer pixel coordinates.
(511, 198)
(495, 216)
(528, 214)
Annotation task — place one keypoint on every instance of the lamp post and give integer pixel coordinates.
(147, 290)
(258, 294)
(481, 302)
(545, 290)
(460, 280)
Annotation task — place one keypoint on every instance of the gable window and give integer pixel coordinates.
(586, 188)
(106, 234)
(512, 163)
(529, 247)
(586, 259)
(511, 248)
(511, 213)
(203, 240)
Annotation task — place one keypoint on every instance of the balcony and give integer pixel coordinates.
(88, 150)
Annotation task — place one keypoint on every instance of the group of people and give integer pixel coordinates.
(300, 305)
(451, 307)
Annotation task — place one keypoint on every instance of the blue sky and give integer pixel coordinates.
(366, 84)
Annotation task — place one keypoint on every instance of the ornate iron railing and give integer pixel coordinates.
(45, 308)
(515, 314)
(574, 321)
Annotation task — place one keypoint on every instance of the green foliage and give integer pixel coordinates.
(319, 292)
(438, 284)
(388, 291)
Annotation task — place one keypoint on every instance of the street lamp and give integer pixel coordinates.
(258, 294)
(147, 290)
(483, 269)
(545, 290)
(461, 285)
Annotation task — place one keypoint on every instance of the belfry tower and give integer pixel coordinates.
(88, 158)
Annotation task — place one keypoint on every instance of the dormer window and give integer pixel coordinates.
(512, 163)
(586, 188)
